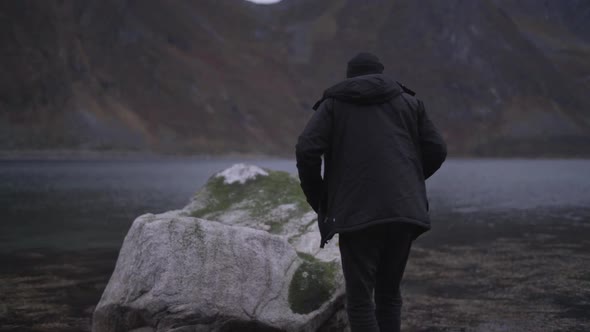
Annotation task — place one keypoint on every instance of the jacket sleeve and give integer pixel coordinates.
(313, 142)
(433, 146)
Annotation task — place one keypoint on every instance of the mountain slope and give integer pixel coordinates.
(499, 77)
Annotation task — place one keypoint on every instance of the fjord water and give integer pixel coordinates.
(89, 204)
(497, 223)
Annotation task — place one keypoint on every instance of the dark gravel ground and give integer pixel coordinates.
(517, 271)
(43, 290)
(501, 272)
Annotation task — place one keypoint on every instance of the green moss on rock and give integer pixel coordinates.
(259, 196)
(312, 285)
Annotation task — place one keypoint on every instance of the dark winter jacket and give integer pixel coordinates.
(378, 147)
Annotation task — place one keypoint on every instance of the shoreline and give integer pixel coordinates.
(89, 155)
(92, 155)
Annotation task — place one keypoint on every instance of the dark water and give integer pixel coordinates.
(496, 223)
(91, 204)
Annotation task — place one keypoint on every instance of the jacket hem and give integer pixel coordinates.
(423, 227)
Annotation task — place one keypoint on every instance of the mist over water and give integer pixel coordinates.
(519, 184)
(83, 204)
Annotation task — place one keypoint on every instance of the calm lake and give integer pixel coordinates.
(497, 224)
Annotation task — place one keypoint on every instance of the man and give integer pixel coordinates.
(378, 147)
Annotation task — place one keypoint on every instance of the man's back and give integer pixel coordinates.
(378, 147)
(371, 133)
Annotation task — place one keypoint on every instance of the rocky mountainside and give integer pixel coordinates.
(500, 77)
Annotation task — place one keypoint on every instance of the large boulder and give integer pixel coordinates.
(242, 256)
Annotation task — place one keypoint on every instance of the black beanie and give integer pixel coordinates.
(364, 64)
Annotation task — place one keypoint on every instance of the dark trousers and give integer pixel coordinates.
(373, 262)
